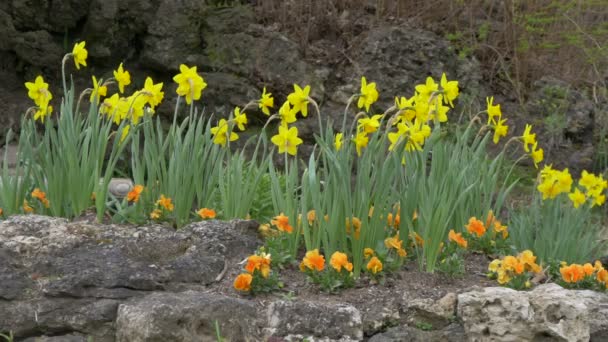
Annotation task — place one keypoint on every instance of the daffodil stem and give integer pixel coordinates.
(350, 101)
(360, 114)
(63, 61)
(314, 103)
(85, 92)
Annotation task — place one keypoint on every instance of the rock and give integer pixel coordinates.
(437, 314)
(452, 333)
(37, 48)
(188, 316)
(333, 321)
(548, 311)
(62, 277)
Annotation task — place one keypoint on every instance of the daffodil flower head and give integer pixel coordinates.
(190, 83)
(222, 133)
(450, 90)
(338, 141)
(287, 114)
(537, 154)
(240, 118)
(109, 107)
(368, 95)
(153, 93)
(494, 113)
(287, 140)
(577, 197)
(99, 90)
(299, 99)
(437, 110)
(370, 124)
(266, 101)
(122, 77)
(43, 112)
(407, 110)
(361, 140)
(39, 91)
(528, 138)
(427, 89)
(80, 54)
(500, 130)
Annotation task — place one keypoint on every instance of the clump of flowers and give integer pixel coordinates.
(163, 206)
(339, 275)
(586, 276)
(258, 276)
(489, 236)
(206, 213)
(515, 271)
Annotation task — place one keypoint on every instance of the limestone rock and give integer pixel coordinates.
(333, 321)
(188, 317)
(452, 333)
(548, 311)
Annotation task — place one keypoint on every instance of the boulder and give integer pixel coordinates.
(547, 312)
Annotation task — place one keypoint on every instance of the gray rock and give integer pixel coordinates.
(451, 333)
(547, 312)
(188, 317)
(333, 321)
(435, 313)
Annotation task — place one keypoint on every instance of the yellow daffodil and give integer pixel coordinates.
(370, 124)
(43, 112)
(132, 107)
(98, 91)
(368, 95)
(338, 141)
(360, 141)
(438, 110)
(554, 182)
(528, 138)
(500, 130)
(220, 133)
(240, 118)
(537, 154)
(266, 101)
(190, 83)
(287, 114)
(125, 133)
(577, 198)
(122, 77)
(299, 99)
(287, 140)
(39, 91)
(80, 54)
(407, 110)
(153, 93)
(427, 89)
(494, 113)
(450, 90)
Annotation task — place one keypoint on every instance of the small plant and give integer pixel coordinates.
(258, 276)
(338, 276)
(9, 337)
(515, 271)
(586, 276)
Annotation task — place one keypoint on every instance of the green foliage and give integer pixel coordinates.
(555, 230)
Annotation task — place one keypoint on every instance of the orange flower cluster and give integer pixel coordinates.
(282, 223)
(339, 261)
(478, 228)
(206, 213)
(513, 266)
(575, 273)
(395, 243)
(457, 238)
(133, 195)
(313, 261)
(256, 262)
(41, 196)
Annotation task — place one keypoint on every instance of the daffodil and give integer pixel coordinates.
(370, 124)
(266, 101)
(153, 93)
(190, 83)
(450, 90)
(493, 111)
(528, 138)
(338, 141)
(98, 91)
(438, 110)
(537, 154)
(299, 99)
(80, 54)
(122, 77)
(43, 112)
(287, 140)
(240, 118)
(427, 89)
(407, 110)
(500, 130)
(577, 197)
(368, 95)
(554, 182)
(287, 114)
(220, 133)
(132, 107)
(124, 133)
(39, 91)
(361, 140)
